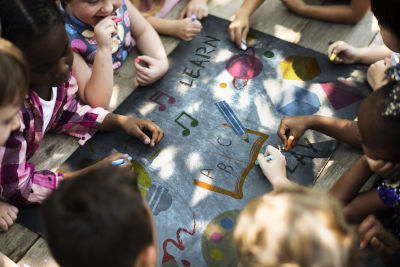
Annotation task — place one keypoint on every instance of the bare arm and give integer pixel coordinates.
(350, 14)
(96, 84)
(185, 29)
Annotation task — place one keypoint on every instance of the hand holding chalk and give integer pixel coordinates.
(334, 55)
(120, 161)
(267, 158)
(193, 17)
(289, 142)
(275, 168)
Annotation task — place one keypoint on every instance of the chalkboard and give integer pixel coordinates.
(219, 107)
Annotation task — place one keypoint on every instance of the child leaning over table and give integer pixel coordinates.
(37, 28)
(383, 59)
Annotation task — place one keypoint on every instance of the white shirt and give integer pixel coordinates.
(48, 108)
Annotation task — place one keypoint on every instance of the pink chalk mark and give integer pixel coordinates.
(117, 19)
(167, 257)
(216, 237)
(340, 95)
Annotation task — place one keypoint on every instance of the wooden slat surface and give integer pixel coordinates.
(273, 18)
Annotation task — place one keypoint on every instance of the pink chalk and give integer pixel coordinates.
(137, 60)
(117, 19)
(216, 237)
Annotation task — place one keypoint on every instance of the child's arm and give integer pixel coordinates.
(96, 84)
(351, 14)
(6, 262)
(185, 29)
(195, 7)
(343, 130)
(239, 27)
(149, 43)
(385, 169)
(348, 54)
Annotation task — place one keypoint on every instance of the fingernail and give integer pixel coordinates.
(147, 141)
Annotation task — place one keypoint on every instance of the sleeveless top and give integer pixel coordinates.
(83, 40)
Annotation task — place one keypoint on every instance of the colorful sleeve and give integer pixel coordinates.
(78, 120)
(20, 183)
(389, 193)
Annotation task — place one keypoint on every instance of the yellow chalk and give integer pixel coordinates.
(334, 55)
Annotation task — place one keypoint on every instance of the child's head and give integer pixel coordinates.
(13, 87)
(295, 227)
(91, 12)
(37, 28)
(99, 220)
(379, 123)
(386, 12)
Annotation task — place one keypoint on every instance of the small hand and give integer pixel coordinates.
(195, 7)
(345, 53)
(274, 169)
(186, 29)
(372, 232)
(376, 73)
(294, 5)
(296, 126)
(155, 70)
(385, 169)
(238, 29)
(145, 130)
(8, 215)
(104, 31)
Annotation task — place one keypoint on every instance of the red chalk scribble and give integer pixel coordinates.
(167, 257)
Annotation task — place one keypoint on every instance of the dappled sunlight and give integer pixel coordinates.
(220, 2)
(244, 100)
(220, 93)
(286, 34)
(374, 25)
(115, 96)
(165, 162)
(223, 55)
(264, 111)
(194, 161)
(194, 107)
(147, 108)
(199, 194)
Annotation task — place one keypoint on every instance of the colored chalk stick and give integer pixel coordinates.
(267, 158)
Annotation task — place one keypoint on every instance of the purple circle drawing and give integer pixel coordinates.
(244, 66)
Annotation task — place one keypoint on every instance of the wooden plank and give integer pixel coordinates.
(38, 255)
(16, 241)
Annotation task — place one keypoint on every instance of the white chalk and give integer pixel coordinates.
(243, 46)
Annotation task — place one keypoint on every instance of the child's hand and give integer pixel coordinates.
(186, 29)
(141, 127)
(295, 125)
(238, 29)
(372, 232)
(385, 169)
(376, 73)
(295, 5)
(155, 70)
(195, 7)
(8, 215)
(104, 31)
(346, 54)
(274, 169)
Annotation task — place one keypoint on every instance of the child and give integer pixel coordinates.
(13, 90)
(100, 35)
(376, 132)
(386, 13)
(100, 219)
(351, 13)
(295, 226)
(37, 28)
(183, 28)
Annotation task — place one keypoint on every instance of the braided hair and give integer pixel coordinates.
(24, 21)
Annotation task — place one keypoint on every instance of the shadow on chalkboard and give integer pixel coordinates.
(29, 217)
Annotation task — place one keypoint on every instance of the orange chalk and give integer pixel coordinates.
(289, 142)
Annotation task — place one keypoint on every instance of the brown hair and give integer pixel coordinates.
(295, 227)
(14, 74)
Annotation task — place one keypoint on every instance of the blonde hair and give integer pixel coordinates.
(155, 7)
(14, 75)
(295, 227)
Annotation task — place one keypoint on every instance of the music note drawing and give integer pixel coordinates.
(193, 123)
(155, 98)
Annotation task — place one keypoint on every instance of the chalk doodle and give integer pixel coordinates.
(217, 240)
(154, 154)
(168, 257)
(157, 95)
(300, 68)
(244, 67)
(232, 120)
(193, 123)
(238, 192)
(341, 93)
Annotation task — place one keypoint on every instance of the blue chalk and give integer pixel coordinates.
(193, 17)
(120, 161)
(267, 158)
